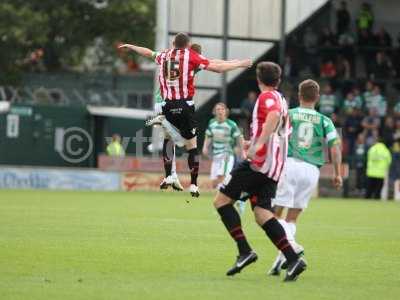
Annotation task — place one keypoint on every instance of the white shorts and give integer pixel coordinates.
(221, 165)
(297, 184)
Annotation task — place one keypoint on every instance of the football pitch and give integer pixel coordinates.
(154, 245)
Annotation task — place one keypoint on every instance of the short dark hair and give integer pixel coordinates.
(309, 90)
(196, 48)
(181, 40)
(269, 73)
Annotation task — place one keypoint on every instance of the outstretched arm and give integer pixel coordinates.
(146, 52)
(221, 61)
(226, 66)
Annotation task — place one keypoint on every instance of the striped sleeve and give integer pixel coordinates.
(208, 130)
(331, 135)
(235, 129)
(199, 61)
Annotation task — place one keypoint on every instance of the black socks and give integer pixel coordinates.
(231, 220)
(277, 235)
(193, 163)
(168, 154)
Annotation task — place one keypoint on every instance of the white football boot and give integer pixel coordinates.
(194, 190)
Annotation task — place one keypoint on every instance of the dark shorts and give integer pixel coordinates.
(259, 187)
(180, 114)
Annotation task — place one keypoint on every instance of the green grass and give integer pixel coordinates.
(84, 245)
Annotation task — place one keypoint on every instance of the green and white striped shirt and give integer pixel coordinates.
(223, 135)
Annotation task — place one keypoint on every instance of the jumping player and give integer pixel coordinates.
(259, 174)
(169, 130)
(176, 78)
(312, 133)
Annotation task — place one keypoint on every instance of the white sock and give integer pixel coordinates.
(288, 230)
(173, 170)
(292, 228)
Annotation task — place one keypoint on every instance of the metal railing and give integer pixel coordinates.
(76, 97)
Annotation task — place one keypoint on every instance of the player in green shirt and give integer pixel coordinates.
(312, 133)
(222, 134)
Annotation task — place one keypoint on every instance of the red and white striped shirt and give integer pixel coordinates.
(177, 68)
(271, 158)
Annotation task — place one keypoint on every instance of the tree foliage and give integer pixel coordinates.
(64, 29)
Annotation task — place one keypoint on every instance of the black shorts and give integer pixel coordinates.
(180, 114)
(243, 179)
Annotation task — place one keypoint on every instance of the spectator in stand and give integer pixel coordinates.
(351, 103)
(326, 41)
(359, 163)
(346, 38)
(383, 38)
(396, 57)
(365, 18)
(343, 18)
(369, 86)
(365, 42)
(379, 159)
(395, 168)
(310, 39)
(357, 96)
(289, 67)
(382, 67)
(327, 101)
(310, 42)
(377, 101)
(387, 131)
(247, 107)
(343, 68)
(396, 109)
(328, 69)
(327, 38)
(371, 125)
(365, 39)
(352, 129)
(346, 42)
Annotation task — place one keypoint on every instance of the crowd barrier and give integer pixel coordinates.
(58, 179)
(114, 174)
